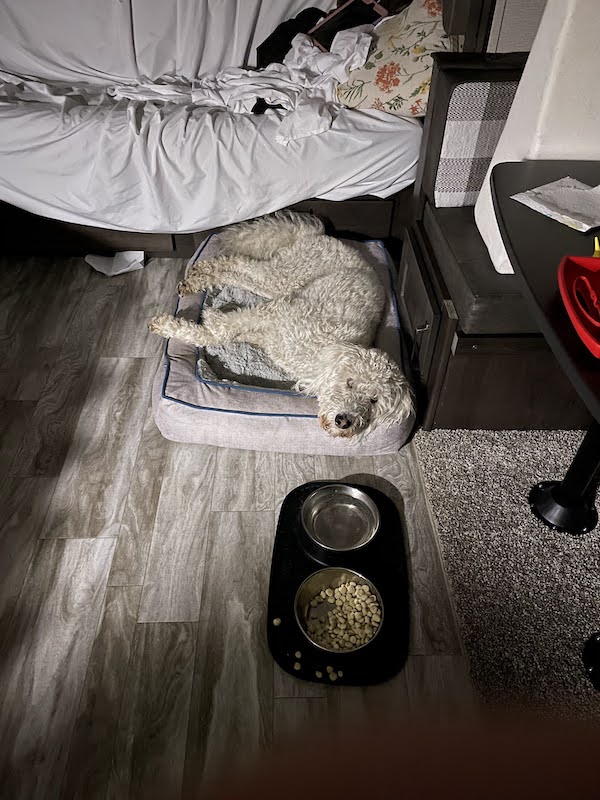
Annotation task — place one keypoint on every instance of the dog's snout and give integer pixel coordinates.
(343, 421)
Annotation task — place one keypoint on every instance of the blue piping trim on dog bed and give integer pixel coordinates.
(265, 390)
(229, 384)
(172, 399)
(165, 396)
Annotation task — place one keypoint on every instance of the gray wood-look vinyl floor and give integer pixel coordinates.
(134, 571)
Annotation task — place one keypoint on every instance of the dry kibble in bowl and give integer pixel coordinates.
(342, 625)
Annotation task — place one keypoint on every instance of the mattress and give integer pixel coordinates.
(164, 167)
(165, 150)
(189, 408)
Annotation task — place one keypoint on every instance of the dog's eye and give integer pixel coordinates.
(350, 383)
(373, 399)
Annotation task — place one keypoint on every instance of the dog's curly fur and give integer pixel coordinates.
(322, 309)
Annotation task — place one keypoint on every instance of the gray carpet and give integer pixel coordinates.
(526, 597)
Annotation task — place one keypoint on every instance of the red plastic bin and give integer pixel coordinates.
(579, 284)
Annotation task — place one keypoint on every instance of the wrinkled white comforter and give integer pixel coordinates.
(184, 155)
(305, 85)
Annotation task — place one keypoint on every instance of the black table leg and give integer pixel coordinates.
(569, 505)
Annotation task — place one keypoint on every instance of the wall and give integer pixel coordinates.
(556, 110)
(514, 25)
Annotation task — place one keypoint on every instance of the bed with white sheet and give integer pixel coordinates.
(136, 116)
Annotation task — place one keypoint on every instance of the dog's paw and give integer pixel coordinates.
(162, 325)
(209, 315)
(186, 287)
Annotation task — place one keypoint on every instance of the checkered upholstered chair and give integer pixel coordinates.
(476, 115)
(471, 95)
(476, 351)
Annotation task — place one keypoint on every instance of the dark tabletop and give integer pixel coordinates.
(535, 245)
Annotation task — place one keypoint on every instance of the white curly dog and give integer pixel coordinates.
(323, 305)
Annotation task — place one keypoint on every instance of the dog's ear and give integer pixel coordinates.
(395, 399)
(399, 407)
(337, 361)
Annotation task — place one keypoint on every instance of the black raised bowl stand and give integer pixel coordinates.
(382, 560)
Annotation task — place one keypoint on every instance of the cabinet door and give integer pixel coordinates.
(418, 307)
(507, 383)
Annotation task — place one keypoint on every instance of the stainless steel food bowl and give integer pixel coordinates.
(331, 577)
(339, 517)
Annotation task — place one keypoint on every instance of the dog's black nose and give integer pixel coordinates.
(343, 421)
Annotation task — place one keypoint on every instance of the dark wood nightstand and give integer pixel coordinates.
(480, 360)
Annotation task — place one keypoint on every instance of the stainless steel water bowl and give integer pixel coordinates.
(329, 578)
(339, 517)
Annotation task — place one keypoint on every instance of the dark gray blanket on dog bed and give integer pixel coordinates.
(239, 362)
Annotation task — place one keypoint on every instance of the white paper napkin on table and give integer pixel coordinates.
(567, 200)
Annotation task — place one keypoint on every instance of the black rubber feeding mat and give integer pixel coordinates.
(379, 561)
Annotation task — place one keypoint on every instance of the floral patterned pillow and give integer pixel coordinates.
(397, 73)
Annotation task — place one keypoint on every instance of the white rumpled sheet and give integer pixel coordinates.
(131, 41)
(176, 156)
(305, 85)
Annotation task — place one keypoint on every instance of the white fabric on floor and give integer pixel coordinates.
(149, 158)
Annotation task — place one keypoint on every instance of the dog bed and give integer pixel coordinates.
(204, 396)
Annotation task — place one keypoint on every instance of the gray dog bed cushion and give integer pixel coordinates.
(201, 397)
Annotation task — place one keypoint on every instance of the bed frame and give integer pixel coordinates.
(28, 234)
